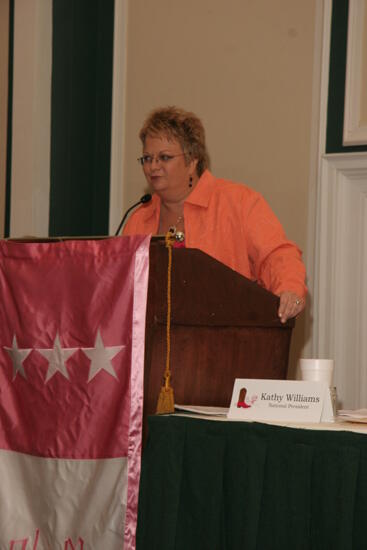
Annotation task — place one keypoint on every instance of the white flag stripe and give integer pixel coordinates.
(66, 500)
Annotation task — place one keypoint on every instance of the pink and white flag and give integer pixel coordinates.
(72, 332)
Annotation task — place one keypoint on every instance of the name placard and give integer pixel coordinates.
(278, 400)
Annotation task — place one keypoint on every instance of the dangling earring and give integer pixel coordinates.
(190, 184)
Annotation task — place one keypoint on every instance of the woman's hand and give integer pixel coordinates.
(290, 305)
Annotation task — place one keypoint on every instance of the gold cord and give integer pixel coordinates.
(167, 373)
(166, 398)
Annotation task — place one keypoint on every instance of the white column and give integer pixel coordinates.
(4, 57)
(30, 183)
(118, 125)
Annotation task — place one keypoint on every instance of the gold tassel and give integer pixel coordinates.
(166, 400)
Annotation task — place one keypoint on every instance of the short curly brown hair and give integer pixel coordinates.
(184, 126)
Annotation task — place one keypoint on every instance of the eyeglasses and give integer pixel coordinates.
(162, 158)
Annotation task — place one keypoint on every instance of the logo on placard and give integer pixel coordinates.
(243, 401)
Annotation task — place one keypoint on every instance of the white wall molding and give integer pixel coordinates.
(118, 124)
(4, 62)
(30, 182)
(318, 139)
(354, 133)
(341, 307)
(337, 263)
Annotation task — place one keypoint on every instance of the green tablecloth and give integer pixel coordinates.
(232, 485)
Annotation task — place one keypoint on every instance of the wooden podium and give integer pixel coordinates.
(223, 326)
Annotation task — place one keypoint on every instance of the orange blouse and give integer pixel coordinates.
(235, 225)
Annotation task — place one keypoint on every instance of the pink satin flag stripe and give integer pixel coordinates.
(57, 300)
(141, 275)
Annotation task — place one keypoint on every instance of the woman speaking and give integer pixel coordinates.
(227, 220)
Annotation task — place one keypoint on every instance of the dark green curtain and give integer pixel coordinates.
(214, 485)
(82, 64)
(337, 73)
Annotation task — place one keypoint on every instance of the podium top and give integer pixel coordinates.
(32, 239)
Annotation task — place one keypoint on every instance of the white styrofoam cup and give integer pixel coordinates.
(317, 370)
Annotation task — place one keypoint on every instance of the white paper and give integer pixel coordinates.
(356, 415)
(203, 410)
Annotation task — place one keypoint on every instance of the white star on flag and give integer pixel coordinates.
(57, 357)
(101, 356)
(18, 356)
